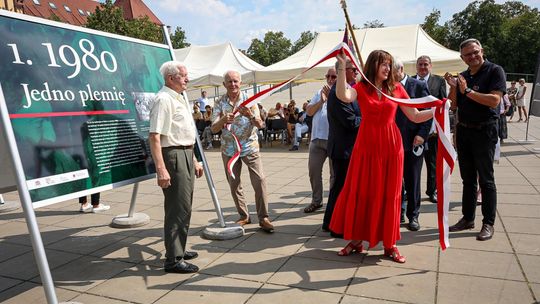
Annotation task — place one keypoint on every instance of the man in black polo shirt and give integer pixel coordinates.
(476, 94)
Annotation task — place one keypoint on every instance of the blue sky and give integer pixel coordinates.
(239, 21)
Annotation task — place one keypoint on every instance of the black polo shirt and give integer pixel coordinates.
(490, 77)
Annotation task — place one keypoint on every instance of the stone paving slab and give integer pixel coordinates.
(94, 263)
(467, 289)
(395, 284)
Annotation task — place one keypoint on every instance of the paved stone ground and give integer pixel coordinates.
(94, 263)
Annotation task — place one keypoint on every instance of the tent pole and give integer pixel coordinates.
(290, 91)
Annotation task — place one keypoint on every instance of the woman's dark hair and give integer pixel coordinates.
(374, 60)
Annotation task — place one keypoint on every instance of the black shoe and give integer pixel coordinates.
(402, 219)
(433, 198)
(336, 235)
(486, 233)
(293, 148)
(188, 255)
(413, 225)
(325, 228)
(182, 267)
(462, 224)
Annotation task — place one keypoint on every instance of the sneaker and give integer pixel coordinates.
(209, 146)
(100, 208)
(86, 208)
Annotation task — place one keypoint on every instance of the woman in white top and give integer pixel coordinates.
(520, 100)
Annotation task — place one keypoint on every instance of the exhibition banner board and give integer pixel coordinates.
(7, 176)
(78, 101)
(534, 106)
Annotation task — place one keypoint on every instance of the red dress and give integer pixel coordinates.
(369, 206)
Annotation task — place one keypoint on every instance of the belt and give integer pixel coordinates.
(180, 147)
(478, 125)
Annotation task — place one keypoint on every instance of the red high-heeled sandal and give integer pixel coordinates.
(345, 251)
(394, 254)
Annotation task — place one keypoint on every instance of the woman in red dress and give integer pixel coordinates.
(368, 208)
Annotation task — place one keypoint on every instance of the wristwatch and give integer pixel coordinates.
(467, 91)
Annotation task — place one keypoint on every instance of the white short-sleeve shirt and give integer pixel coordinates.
(170, 116)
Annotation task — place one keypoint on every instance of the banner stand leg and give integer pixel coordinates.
(7, 206)
(26, 203)
(131, 219)
(221, 230)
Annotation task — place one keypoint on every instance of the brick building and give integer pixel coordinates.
(75, 12)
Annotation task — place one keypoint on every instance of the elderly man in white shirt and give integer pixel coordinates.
(172, 137)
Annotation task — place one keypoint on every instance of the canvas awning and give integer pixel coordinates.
(407, 42)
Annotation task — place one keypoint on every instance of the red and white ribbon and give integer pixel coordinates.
(236, 155)
(446, 154)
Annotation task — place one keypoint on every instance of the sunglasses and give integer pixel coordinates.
(473, 53)
(331, 76)
(353, 69)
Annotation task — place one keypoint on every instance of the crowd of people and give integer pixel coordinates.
(375, 147)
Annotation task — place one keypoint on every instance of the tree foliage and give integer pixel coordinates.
(305, 39)
(178, 39)
(145, 29)
(109, 18)
(508, 32)
(432, 27)
(274, 47)
(373, 24)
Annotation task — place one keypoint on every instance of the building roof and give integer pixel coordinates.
(72, 12)
(134, 9)
(76, 12)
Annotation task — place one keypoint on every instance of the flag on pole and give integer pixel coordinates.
(348, 41)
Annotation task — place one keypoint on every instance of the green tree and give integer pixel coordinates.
(109, 18)
(274, 47)
(519, 45)
(508, 32)
(178, 39)
(372, 24)
(305, 39)
(481, 20)
(432, 27)
(145, 29)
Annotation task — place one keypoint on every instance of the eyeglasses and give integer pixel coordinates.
(353, 69)
(331, 76)
(473, 53)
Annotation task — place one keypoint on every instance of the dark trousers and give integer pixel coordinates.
(340, 167)
(430, 156)
(178, 200)
(476, 148)
(94, 199)
(412, 169)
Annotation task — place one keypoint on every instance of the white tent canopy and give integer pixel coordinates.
(207, 64)
(406, 42)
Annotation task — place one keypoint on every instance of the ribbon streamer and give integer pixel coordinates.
(446, 155)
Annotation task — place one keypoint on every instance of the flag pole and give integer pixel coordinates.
(349, 25)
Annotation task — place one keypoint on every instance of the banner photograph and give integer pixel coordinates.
(79, 102)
